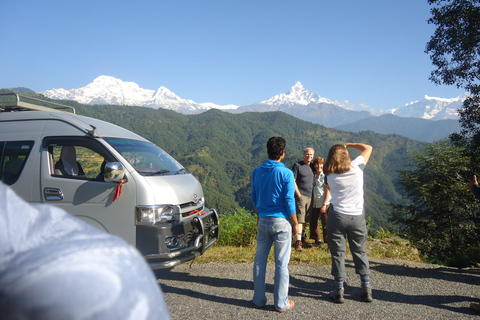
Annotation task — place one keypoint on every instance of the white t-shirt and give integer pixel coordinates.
(346, 189)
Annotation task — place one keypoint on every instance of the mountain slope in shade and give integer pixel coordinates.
(326, 114)
(413, 128)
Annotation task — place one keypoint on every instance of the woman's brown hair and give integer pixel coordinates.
(318, 160)
(338, 160)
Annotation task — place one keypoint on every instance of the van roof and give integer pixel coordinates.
(91, 126)
(12, 101)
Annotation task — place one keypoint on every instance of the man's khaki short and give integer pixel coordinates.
(304, 208)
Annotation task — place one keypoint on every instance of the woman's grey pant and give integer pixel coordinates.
(340, 227)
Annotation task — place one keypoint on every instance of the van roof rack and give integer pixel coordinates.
(18, 105)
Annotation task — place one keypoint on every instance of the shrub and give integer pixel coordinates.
(238, 229)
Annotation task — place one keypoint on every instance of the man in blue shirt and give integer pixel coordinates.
(273, 197)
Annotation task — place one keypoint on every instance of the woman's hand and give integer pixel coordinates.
(473, 182)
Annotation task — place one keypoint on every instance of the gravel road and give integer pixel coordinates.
(402, 290)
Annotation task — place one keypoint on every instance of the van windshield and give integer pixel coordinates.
(145, 157)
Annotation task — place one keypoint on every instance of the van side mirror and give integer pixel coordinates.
(114, 172)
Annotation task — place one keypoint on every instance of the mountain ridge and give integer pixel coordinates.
(413, 128)
(297, 101)
(110, 90)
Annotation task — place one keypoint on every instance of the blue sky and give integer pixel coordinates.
(369, 52)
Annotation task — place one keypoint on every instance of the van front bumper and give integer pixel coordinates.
(168, 244)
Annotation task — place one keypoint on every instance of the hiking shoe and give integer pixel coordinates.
(337, 295)
(291, 304)
(257, 307)
(319, 243)
(306, 244)
(366, 294)
(298, 246)
(475, 306)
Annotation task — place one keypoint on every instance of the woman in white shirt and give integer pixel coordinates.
(346, 218)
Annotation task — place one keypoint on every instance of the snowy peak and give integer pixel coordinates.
(431, 108)
(297, 95)
(297, 88)
(103, 90)
(163, 94)
(110, 90)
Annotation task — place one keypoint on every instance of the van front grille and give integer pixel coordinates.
(186, 205)
(188, 208)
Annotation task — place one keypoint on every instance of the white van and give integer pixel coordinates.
(107, 176)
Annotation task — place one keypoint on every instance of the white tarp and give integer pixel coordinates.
(54, 266)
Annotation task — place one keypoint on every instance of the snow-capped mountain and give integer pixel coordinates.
(415, 120)
(309, 106)
(298, 102)
(431, 108)
(297, 95)
(109, 90)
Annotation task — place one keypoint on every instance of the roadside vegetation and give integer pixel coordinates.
(237, 245)
(437, 214)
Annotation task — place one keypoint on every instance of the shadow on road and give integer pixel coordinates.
(206, 280)
(443, 273)
(315, 287)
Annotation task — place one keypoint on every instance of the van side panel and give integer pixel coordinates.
(91, 201)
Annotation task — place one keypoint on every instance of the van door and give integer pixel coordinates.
(71, 178)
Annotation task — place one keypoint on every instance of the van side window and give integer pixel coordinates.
(77, 158)
(14, 155)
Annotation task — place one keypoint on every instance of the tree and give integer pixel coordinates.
(455, 51)
(442, 218)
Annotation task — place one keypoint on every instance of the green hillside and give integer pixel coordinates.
(221, 149)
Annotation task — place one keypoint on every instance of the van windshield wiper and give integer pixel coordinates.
(157, 172)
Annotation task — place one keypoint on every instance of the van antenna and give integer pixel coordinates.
(92, 132)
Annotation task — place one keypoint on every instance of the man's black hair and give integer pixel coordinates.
(275, 147)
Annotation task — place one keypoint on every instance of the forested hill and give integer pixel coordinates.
(221, 149)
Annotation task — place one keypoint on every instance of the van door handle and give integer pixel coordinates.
(53, 194)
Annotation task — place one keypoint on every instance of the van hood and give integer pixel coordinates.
(175, 189)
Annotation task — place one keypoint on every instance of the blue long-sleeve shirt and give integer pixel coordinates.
(273, 190)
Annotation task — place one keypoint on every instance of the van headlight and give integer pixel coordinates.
(154, 214)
